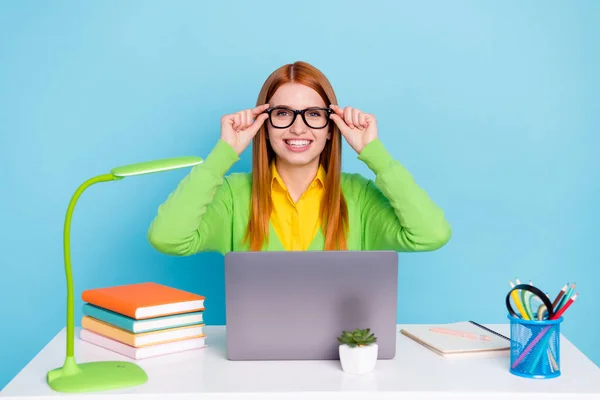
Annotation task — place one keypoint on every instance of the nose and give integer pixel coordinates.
(298, 127)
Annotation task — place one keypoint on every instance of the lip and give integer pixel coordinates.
(297, 149)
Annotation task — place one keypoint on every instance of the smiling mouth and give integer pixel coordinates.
(297, 142)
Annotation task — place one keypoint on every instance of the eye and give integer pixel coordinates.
(316, 113)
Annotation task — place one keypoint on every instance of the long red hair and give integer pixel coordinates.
(333, 212)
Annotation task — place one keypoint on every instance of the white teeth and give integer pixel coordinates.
(298, 143)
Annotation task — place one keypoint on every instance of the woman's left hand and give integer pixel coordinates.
(357, 127)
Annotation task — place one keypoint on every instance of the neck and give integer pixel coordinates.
(297, 178)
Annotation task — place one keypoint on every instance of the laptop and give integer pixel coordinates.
(292, 305)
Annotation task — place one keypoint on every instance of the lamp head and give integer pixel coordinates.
(149, 167)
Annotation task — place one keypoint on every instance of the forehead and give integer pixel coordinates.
(297, 96)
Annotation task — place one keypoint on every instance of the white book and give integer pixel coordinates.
(465, 337)
(138, 353)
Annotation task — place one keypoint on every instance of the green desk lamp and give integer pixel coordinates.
(101, 375)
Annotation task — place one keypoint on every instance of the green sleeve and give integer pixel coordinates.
(197, 215)
(396, 213)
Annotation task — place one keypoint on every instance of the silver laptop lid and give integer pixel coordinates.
(294, 305)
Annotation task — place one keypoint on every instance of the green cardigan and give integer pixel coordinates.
(209, 211)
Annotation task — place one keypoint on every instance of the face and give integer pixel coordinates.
(299, 144)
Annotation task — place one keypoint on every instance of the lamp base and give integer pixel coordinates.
(95, 376)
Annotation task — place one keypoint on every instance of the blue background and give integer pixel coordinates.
(493, 106)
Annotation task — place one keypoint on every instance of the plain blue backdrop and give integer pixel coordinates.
(493, 106)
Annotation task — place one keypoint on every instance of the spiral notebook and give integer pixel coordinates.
(467, 337)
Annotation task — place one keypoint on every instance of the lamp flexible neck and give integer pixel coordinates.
(67, 257)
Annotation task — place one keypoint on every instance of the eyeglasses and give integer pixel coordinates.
(284, 117)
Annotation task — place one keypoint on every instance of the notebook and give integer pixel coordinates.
(138, 353)
(144, 300)
(466, 337)
(143, 325)
(144, 338)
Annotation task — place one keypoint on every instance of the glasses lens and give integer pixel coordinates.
(281, 117)
(316, 118)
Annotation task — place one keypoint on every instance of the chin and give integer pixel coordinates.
(298, 161)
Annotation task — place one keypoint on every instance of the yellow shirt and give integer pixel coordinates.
(296, 224)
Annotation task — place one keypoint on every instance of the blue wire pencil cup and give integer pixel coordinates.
(535, 347)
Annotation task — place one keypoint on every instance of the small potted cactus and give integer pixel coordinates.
(358, 351)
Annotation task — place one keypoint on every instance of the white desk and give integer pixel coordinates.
(415, 373)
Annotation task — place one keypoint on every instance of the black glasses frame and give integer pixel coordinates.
(296, 113)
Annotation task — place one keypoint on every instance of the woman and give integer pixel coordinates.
(296, 197)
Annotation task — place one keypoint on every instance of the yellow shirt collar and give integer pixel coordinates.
(320, 177)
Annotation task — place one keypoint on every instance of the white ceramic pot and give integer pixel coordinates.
(359, 359)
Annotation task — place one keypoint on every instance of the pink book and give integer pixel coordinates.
(142, 352)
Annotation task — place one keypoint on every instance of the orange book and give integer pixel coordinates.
(144, 300)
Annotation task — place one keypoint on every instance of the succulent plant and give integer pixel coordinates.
(357, 338)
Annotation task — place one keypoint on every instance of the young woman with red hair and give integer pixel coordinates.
(296, 197)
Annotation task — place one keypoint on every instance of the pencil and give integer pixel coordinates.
(554, 364)
(539, 352)
(518, 302)
(524, 297)
(530, 346)
(566, 297)
(564, 308)
(558, 297)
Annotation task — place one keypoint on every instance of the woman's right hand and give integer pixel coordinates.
(239, 129)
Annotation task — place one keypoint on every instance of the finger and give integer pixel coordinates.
(257, 124)
(252, 117)
(246, 119)
(337, 109)
(355, 115)
(348, 117)
(240, 120)
(339, 121)
(258, 110)
(242, 123)
(237, 121)
(227, 119)
(362, 120)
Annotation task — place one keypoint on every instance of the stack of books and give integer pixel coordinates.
(143, 320)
